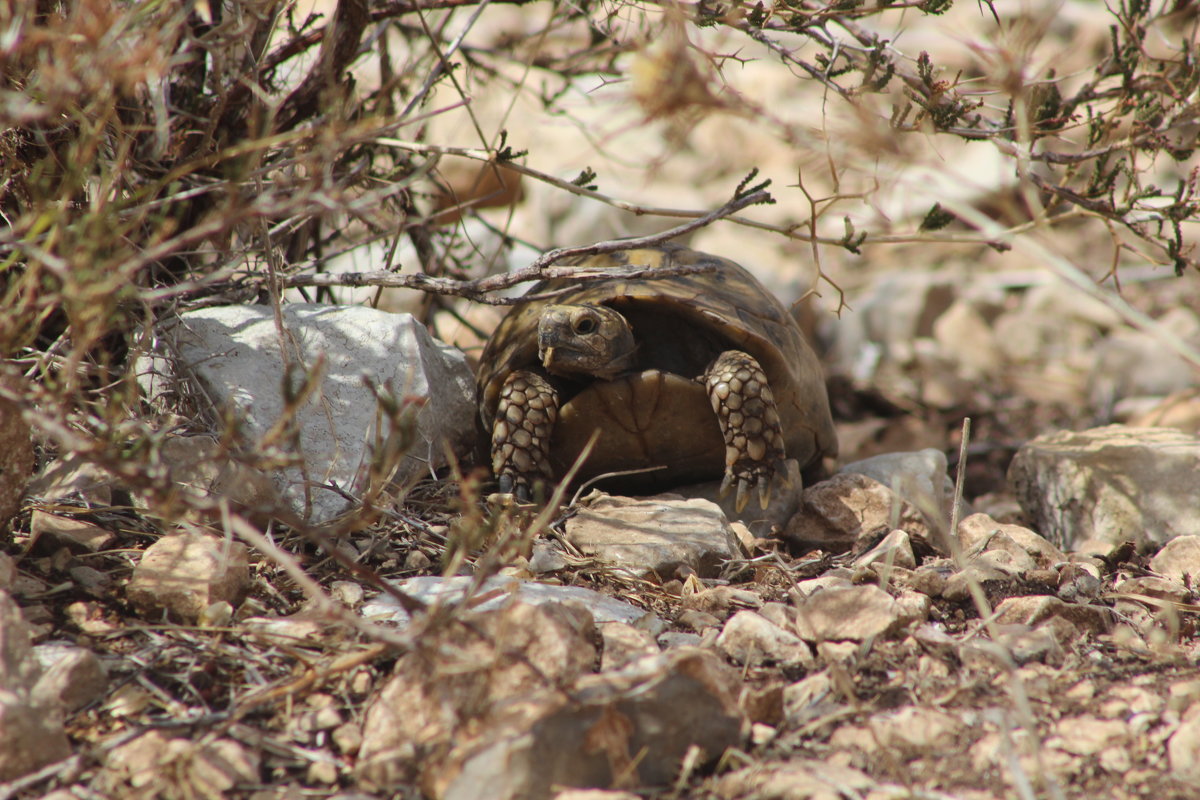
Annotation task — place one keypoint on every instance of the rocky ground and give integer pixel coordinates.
(867, 636)
(840, 644)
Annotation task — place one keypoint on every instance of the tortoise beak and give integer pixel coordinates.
(547, 356)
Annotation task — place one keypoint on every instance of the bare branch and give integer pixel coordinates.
(480, 288)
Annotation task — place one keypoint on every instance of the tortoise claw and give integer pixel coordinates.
(726, 485)
(506, 483)
(743, 495)
(763, 485)
(784, 475)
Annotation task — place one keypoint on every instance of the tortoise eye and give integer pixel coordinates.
(585, 325)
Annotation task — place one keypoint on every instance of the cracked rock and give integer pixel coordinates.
(76, 534)
(157, 766)
(507, 708)
(979, 533)
(1033, 609)
(797, 779)
(894, 549)
(851, 508)
(631, 728)
(919, 477)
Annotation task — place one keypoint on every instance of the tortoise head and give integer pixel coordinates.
(585, 340)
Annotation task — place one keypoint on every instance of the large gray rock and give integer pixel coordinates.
(1110, 484)
(235, 357)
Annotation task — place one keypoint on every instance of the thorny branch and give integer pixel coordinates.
(542, 268)
(803, 232)
(1155, 94)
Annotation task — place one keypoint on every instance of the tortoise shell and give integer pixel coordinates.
(658, 415)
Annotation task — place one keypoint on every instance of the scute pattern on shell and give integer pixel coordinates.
(727, 300)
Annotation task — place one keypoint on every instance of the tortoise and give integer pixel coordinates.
(691, 377)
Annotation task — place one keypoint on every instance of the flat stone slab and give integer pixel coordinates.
(453, 590)
(847, 613)
(657, 535)
(235, 357)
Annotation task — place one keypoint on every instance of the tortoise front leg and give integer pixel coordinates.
(521, 433)
(741, 397)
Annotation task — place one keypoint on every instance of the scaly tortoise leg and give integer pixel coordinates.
(521, 433)
(741, 397)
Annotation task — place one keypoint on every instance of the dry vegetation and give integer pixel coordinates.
(158, 156)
